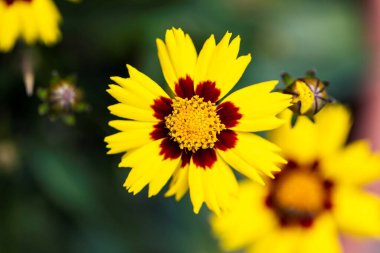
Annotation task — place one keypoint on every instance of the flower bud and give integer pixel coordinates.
(62, 99)
(309, 94)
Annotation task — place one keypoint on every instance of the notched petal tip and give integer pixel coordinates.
(196, 209)
(115, 78)
(129, 67)
(110, 108)
(160, 42)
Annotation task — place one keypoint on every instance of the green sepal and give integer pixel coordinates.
(69, 119)
(71, 79)
(312, 73)
(81, 107)
(311, 117)
(293, 120)
(42, 94)
(55, 77)
(287, 79)
(43, 109)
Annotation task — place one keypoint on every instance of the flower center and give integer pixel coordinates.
(64, 96)
(194, 123)
(299, 194)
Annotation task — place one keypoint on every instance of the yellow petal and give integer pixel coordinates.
(356, 164)
(259, 106)
(196, 187)
(177, 56)
(143, 169)
(130, 125)
(321, 237)
(278, 241)
(154, 171)
(220, 187)
(128, 97)
(10, 27)
(356, 212)
(225, 68)
(129, 139)
(47, 18)
(144, 81)
(298, 143)
(165, 170)
(333, 124)
(29, 28)
(247, 220)
(253, 156)
(305, 96)
(204, 59)
(137, 90)
(179, 184)
(131, 112)
(241, 166)
(307, 142)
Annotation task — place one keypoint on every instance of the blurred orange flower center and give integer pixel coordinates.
(300, 191)
(299, 194)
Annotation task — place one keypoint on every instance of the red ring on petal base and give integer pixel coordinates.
(204, 158)
(226, 140)
(185, 88)
(208, 91)
(229, 114)
(170, 149)
(162, 107)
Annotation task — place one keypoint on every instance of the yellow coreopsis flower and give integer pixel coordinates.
(31, 20)
(317, 195)
(194, 134)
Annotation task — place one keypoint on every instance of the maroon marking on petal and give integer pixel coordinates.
(283, 222)
(10, 2)
(291, 165)
(170, 149)
(328, 205)
(229, 114)
(162, 107)
(208, 91)
(269, 201)
(315, 165)
(226, 139)
(160, 131)
(185, 88)
(204, 158)
(307, 222)
(186, 156)
(328, 184)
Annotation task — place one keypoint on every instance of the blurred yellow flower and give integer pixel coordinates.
(193, 135)
(317, 194)
(31, 20)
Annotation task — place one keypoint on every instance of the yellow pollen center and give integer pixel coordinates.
(301, 191)
(194, 123)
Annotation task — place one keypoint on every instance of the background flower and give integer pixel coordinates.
(30, 20)
(317, 195)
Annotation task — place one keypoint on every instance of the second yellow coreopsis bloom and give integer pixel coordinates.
(30, 20)
(316, 196)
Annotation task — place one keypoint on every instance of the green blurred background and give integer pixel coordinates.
(60, 192)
